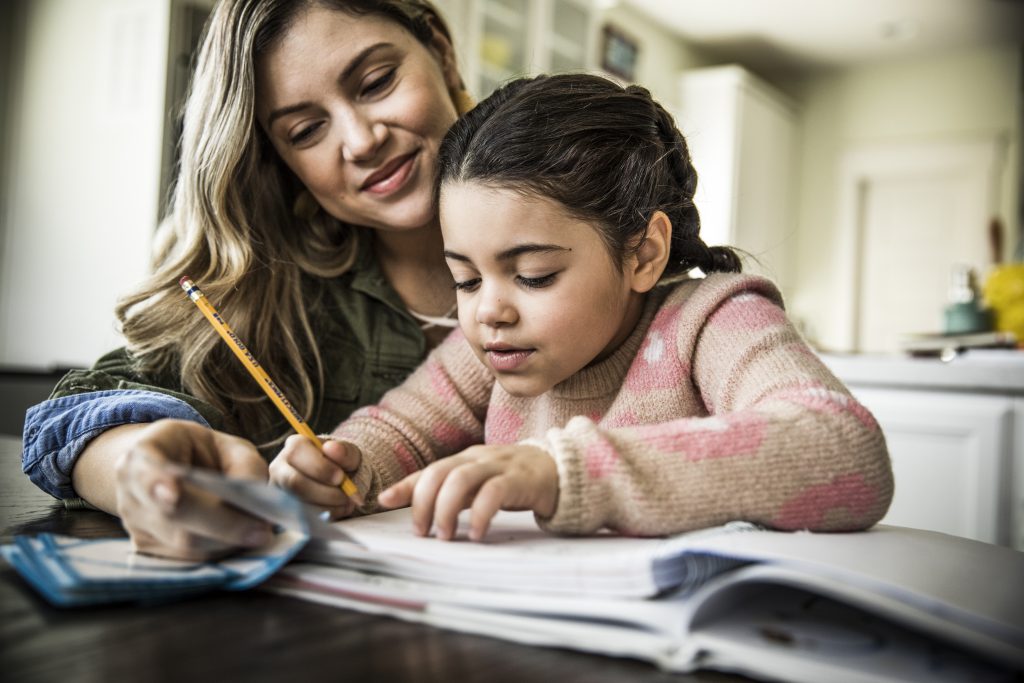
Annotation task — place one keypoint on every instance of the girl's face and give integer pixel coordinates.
(539, 295)
(356, 107)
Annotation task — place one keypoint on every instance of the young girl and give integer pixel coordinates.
(593, 381)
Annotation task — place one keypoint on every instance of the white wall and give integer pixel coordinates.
(961, 95)
(84, 175)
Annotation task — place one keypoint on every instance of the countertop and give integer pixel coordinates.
(986, 371)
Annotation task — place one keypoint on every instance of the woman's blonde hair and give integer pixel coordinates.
(231, 227)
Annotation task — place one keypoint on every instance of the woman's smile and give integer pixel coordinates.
(392, 176)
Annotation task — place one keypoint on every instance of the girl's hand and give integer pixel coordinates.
(301, 468)
(484, 479)
(167, 516)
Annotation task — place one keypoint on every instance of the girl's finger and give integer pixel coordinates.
(344, 455)
(457, 493)
(489, 499)
(425, 490)
(400, 494)
(309, 461)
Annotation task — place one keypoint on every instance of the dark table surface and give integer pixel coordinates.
(251, 635)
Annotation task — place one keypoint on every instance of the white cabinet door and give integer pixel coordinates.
(952, 459)
(742, 133)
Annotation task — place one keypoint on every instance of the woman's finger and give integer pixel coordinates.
(239, 457)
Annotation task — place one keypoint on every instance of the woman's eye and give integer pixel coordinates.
(304, 134)
(378, 84)
(467, 285)
(536, 282)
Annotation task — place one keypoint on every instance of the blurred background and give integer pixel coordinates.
(866, 153)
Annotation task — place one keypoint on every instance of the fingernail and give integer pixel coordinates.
(165, 495)
(257, 537)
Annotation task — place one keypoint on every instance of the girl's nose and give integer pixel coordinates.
(361, 137)
(494, 310)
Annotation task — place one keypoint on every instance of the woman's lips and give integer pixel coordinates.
(391, 177)
(507, 360)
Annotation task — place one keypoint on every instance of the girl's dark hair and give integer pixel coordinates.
(611, 156)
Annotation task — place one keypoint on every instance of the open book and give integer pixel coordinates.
(889, 604)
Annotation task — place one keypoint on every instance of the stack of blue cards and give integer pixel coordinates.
(71, 571)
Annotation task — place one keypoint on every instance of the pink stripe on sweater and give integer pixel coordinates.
(821, 399)
(747, 311)
(657, 365)
(451, 437)
(811, 507)
(600, 458)
(503, 425)
(718, 436)
(441, 383)
(405, 459)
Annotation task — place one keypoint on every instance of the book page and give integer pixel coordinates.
(965, 589)
(776, 632)
(517, 555)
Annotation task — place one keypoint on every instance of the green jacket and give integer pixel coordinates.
(368, 342)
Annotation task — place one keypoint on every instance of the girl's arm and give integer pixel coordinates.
(784, 443)
(439, 410)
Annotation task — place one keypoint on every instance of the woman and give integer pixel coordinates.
(304, 210)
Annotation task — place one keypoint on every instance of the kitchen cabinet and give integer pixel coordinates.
(511, 38)
(955, 433)
(741, 132)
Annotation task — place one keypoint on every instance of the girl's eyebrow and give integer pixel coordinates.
(353, 64)
(515, 251)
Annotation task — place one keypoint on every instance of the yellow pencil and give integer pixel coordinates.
(261, 377)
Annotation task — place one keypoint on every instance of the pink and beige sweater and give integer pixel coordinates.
(713, 410)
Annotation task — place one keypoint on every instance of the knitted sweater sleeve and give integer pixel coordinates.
(438, 410)
(780, 440)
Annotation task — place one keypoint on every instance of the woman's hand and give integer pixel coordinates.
(484, 479)
(301, 468)
(165, 515)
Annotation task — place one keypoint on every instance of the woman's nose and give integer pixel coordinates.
(495, 310)
(361, 136)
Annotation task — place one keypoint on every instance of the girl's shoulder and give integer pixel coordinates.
(711, 291)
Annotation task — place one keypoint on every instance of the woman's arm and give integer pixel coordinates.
(134, 471)
(108, 438)
(93, 474)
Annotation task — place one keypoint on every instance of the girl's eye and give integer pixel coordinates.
(378, 84)
(305, 133)
(467, 285)
(536, 282)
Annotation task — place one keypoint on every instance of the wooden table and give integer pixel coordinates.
(250, 636)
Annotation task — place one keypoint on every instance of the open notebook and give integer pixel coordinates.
(889, 604)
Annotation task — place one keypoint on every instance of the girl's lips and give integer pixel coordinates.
(392, 179)
(507, 360)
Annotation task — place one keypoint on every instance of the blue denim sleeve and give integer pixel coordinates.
(58, 430)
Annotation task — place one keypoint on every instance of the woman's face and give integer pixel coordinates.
(357, 107)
